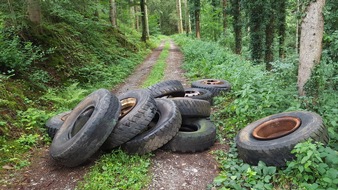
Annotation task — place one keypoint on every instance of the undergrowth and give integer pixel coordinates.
(257, 93)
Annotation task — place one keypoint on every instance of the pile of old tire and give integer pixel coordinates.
(138, 121)
(271, 139)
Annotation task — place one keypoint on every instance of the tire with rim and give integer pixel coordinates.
(215, 86)
(74, 144)
(164, 127)
(172, 88)
(198, 93)
(195, 135)
(272, 138)
(138, 109)
(192, 107)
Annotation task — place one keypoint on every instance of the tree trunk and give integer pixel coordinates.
(312, 30)
(34, 11)
(269, 36)
(132, 13)
(137, 18)
(112, 13)
(179, 15)
(224, 6)
(186, 17)
(143, 19)
(197, 18)
(297, 27)
(236, 11)
(257, 32)
(281, 27)
(97, 11)
(146, 18)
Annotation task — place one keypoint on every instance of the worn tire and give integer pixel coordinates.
(171, 88)
(192, 107)
(195, 135)
(54, 123)
(277, 151)
(135, 122)
(215, 87)
(167, 123)
(74, 144)
(198, 93)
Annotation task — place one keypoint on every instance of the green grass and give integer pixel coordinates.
(157, 73)
(118, 170)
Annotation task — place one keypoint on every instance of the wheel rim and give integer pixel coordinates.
(191, 93)
(212, 82)
(276, 128)
(127, 105)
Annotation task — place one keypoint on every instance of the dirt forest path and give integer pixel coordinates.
(169, 170)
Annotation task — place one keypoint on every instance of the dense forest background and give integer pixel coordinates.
(52, 53)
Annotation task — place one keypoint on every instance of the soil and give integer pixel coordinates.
(169, 170)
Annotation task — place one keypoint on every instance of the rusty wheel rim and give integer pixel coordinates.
(191, 93)
(212, 82)
(276, 128)
(127, 105)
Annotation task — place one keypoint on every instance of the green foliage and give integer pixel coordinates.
(315, 167)
(157, 72)
(238, 175)
(211, 27)
(118, 170)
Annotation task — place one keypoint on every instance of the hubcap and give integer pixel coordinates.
(191, 93)
(212, 82)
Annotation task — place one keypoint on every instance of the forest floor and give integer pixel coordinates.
(170, 171)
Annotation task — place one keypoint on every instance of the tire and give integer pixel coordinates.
(198, 93)
(277, 151)
(74, 144)
(135, 121)
(54, 123)
(167, 123)
(172, 88)
(195, 135)
(192, 107)
(215, 86)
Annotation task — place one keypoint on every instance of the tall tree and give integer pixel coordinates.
(281, 26)
(310, 42)
(179, 15)
(187, 17)
(197, 7)
(112, 13)
(34, 11)
(143, 20)
(269, 32)
(237, 24)
(146, 19)
(224, 11)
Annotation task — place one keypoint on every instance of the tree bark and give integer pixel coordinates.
(146, 19)
(34, 11)
(281, 27)
(179, 15)
(256, 30)
(269, 35)
(112, 13)
(236, 11)
(197, 18)
(312, 29)
(224, 6)
(143, 20)
(137, 18)
(132, 13)
(187, 17)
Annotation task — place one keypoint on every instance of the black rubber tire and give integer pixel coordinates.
(198, 93)
(171, 88)
(74, 144)
(54, 123)
(135, 122)
(195, 135)
(168, 121)
(276, 152)
(192, 107)
(215, 89)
